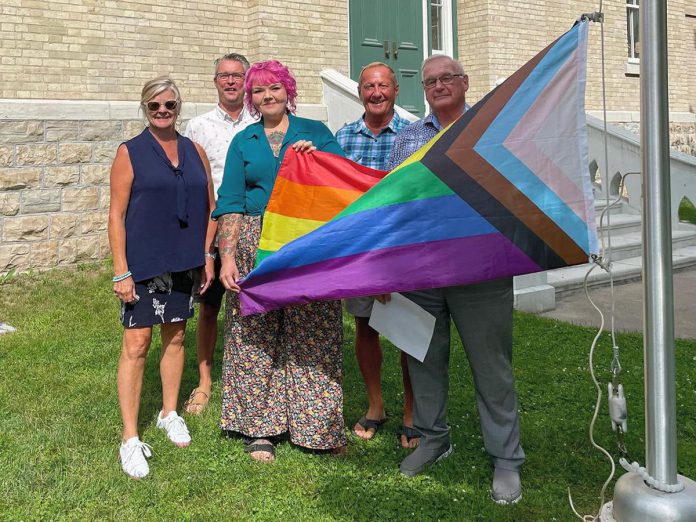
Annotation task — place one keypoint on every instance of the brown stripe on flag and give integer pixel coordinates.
(518, 205)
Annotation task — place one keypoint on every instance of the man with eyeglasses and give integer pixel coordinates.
(214, 131)
(368, 141)
(482, 314)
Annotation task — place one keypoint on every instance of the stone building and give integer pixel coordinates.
(71, 73)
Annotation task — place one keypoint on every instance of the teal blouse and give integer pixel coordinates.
(251, 167)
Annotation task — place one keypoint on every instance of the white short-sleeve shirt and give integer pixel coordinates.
(214, 131)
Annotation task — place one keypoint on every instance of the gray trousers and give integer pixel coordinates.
(482, 314)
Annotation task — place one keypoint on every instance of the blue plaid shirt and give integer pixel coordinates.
(362, 146)
(413, 138)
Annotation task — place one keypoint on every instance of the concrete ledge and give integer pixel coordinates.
(113, 110)
(535, 299)
(634, 116)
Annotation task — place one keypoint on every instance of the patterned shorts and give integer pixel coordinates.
(166, 298)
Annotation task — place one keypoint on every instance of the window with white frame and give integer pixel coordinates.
(436, 26)
(632, 30)
(440, 30)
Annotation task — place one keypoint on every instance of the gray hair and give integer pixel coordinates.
(378, 64)
(235, 57)
(457, 64)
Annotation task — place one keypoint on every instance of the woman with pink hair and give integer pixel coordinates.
(281, 371)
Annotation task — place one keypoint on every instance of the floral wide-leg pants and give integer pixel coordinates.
(282, 371)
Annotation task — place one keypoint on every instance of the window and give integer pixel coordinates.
(440, 31)
(436, 26)
(632, 30)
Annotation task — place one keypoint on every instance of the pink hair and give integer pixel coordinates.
(266, 73)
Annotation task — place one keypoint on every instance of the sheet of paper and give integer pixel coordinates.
(405, 324)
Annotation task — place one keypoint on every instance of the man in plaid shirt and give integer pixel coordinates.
(368, 141)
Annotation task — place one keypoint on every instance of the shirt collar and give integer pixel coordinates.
(432, 120)
(226, 117)
(361, 127)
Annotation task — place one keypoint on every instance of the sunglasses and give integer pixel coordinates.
(154, 106)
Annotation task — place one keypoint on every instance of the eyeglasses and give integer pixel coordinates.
(154, 106)
(235, 76)
(445, 79)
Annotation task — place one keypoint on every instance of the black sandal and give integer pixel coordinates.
(409, 432)
(370, 424)
(256, 445)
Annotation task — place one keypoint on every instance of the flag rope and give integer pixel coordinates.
(615, 388)
(604, 261)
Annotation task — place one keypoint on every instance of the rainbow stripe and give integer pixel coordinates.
(504, 191)
(310, 189)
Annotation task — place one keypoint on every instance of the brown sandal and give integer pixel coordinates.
(193, 406)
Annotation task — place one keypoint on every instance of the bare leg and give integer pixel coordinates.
(206, 337)
(171, 364)
(369, 355)
(408, 404)
(131, 366)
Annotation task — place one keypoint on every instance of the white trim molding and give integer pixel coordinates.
(634, 116)
(112, 110)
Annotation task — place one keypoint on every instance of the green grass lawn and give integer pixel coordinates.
(60, 428)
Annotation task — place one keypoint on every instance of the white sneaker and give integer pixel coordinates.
(175, 427)
(133, 455)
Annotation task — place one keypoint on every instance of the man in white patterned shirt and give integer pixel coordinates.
(214, 131)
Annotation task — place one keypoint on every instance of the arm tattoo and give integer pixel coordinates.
(228, 234)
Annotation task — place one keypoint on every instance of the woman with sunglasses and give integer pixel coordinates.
(281, 371)
(160, 232)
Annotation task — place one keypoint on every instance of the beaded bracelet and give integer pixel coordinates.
(121, 277)
(211, 255)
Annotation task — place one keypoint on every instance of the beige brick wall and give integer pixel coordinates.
(107, 49)
(307, 36)
(690, 47)
(474, 36)
(496, 38)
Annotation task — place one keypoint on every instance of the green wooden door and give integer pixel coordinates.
(390, 31)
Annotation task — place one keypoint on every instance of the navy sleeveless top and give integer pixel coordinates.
(168, 211)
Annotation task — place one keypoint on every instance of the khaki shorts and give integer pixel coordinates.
(359, 306)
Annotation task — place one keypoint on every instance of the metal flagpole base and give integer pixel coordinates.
(635, 501)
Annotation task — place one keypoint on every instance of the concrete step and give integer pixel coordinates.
(620, 223)
(628, 245)
(620, 207)
(571, 279)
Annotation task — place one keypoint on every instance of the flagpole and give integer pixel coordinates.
(634, 499)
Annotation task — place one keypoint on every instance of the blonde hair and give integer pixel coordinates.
(158, 86)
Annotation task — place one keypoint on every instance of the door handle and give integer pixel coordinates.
(395, 50)
(386, 49)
